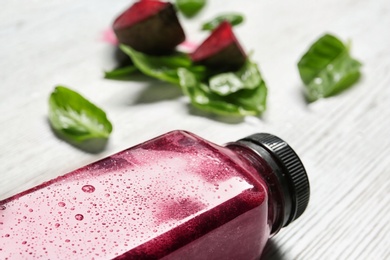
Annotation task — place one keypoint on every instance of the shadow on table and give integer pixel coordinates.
(271, 252)
(121, 58)
(157, 91)
(93, 146)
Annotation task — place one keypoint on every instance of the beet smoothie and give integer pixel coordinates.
(177, 196)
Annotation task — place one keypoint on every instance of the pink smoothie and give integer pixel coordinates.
(174, 197)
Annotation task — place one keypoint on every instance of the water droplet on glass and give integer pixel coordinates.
(88, 188)
(2, 207)
(57, 225)
(61, 204)
(79, 217)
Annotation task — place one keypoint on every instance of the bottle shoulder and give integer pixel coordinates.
(215, 162)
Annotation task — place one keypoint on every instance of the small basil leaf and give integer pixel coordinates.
(247, 77)
(163, 67)
(327, 68)
(190, 7)
(232, 18)
(120, 73)
(250, 75)
(225, 83)
(201, 97)
(75, 118)
(253, 101)
(244, 101)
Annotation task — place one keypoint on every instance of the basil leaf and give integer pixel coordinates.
(247, 77)
(225, 83)
(75, 118)
(190, 7)
(237, 101)
(162, 67)
(232, 18)
(120, 73)
(233, 93)
(327, 68)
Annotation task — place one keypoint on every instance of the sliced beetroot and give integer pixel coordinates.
(150, 27)
(221, 50)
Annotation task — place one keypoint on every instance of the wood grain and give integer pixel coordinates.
(344, 141)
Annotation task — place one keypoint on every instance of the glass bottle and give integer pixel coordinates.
(176, 196)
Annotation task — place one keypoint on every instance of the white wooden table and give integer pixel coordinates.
(344, 141)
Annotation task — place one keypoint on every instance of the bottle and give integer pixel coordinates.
(176, 196)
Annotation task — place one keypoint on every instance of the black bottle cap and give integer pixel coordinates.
(290, 172)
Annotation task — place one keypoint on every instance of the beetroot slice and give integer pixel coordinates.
(221, 50)
(138, 12)
(150, 27)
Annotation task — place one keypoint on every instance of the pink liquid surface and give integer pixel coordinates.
(176, 196)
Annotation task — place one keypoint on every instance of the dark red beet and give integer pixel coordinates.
(221, 50)
(150, 27)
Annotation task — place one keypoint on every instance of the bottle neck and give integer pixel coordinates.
(265, 166)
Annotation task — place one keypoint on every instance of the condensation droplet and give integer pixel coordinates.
(79, 217)
(88, 188)
(2, 207)
(61, 204)
(57, 225)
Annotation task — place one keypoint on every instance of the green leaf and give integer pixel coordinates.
(190, 7)
(225, 83)
(327, 68)
(232, 18)
(239, 93)
(247, 77)
(242, 93)
(162, 67)
(120, 73)
(75, 118)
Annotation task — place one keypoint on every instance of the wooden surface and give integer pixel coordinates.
(344, 141)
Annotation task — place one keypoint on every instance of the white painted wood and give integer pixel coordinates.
(344, 141)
